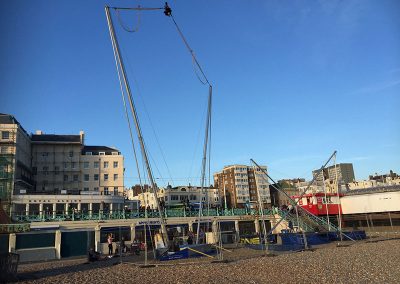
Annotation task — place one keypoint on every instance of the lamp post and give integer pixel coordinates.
(226, 207)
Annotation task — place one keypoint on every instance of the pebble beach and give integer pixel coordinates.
(376, 261)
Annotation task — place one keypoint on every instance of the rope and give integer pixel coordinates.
(151, 125)
(196, 72)
(124, 26)
(191, 53)
(126, 114)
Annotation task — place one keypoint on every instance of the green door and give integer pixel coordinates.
(76, 243)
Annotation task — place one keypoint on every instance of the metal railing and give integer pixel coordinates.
(121, 215)
(307, 221)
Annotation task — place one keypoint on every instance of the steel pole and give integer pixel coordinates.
(136, 119)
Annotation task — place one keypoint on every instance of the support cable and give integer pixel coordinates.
(124, 26)
(143, 101)
(127, 117)
(134, 150)
(191, 53)
(137, 124)
(168, 12)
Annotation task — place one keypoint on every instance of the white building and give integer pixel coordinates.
(181, 195)
(55, 173)
(102, 170)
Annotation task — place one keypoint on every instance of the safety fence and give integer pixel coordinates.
(120, 215)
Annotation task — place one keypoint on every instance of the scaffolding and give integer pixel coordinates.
(7, 172)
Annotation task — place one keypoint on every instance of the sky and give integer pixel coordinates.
(292, 81)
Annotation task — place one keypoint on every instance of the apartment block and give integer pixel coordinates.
(343, 172)
(102, 170)
(240, 185)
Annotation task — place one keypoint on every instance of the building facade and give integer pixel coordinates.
(102, 170)
(56, 161)
(240, 185)
(341, 173)
(55, 173)
(181, 195)
(344, 172)
(15, 160)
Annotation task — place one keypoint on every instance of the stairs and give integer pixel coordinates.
(307, 221)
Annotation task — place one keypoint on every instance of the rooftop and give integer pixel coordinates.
(10, 119)
(95, 150)
(56, 138)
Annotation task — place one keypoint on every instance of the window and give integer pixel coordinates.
(102, 153)
(5, 135)
(45, 154)
(106, 191)
(96, 165)
(114, 153)
(174, 197)
(88, 153)
(65, 177)
(96, 177)
(116, 190)
(45, 170)
(56, 170)
(85, 189)
(85, 165)
(65, 165)
(95, 189)
(86, 177)
(105, 176)
(73, 165)
(105, 165)
(115, 176)
(76, 177)
(71, 153)
(115, 164)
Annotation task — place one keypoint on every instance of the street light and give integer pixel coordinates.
(225, 182)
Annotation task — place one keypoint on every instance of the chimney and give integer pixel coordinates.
(82, 134)
(39, 132)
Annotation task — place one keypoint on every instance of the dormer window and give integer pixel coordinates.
(88, 153)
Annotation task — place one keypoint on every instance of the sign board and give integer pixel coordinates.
(155, 222)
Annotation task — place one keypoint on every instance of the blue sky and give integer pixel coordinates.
(293, 81)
